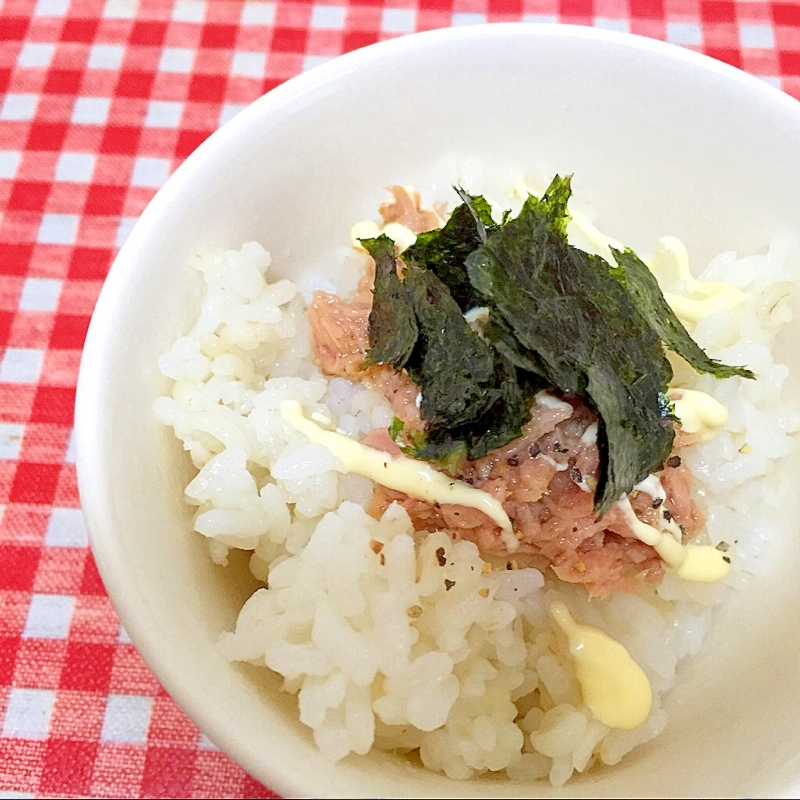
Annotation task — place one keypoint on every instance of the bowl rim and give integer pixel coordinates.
(89, 448)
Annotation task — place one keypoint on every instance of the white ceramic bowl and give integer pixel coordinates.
(659, 139)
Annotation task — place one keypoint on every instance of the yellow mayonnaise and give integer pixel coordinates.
(701, 297)
(702, 563)
(402, 236)
(403, 474)
(698, 412)
(670, 253)
(613, 685)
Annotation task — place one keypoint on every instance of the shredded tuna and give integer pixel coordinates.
(406, 209)
(545, 479)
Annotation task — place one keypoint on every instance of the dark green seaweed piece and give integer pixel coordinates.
(563, 305)
(392, 323)
(444, 250)
(452, 365)
(643, 289)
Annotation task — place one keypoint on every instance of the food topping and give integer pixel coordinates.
(613, 685)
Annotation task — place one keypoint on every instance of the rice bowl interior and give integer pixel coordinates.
(733, 714)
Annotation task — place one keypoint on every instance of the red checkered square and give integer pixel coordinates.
(14, 605)
(60, 570)
(9, 648)
(19, 567)
(168, 772)
(35, 483)
(21, 764)
(39, 663)
(24, 525)
(78, 715)
(87, 667)
(118, 770)
(68, 766)
(170, 728)
(95, 621)
(130, 675)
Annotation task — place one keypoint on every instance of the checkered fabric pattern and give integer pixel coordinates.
(100, 100)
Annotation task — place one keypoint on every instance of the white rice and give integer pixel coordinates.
(382, 645)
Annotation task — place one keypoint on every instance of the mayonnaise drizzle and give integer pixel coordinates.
(414, 478)
(402, 236)
(670, 255)
(698, 412)
(613, 685)
(701, 563)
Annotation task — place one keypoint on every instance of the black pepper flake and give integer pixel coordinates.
(563, 449)
(535, 450)
(726, 559)
(512, 461)
(383, 559)
(574, 528)
(657, 501)
(667, 515)
(448, 585)
(437, 504)
(576, 476)
(723, 547)
(469, 481)
(508, 565)
(440, 557)
(674, 461)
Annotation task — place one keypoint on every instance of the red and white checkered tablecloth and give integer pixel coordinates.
(100, 100)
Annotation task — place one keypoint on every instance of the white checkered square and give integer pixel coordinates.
(106, 56)
(58, 229)
(204, 743)
(90, 110)
(127, 719)
(757, 36)
(40, 294)
(75, 167)
(51, 8)
(150, 172)
(9, 163)
(163, 114)
(21, 365)
(35, 54)
(124, 636)
(11, 434)
(684, 33)
(328, 17)
(66, 528)
(120, 9)
(28, 713)
(229, 111)
(248, 64)
(542, 18)
(176, 59)
(309, 62)
(49, 616)
(612, 24)
(123, 231)
(19, 107)
(189, 11)
(69, 456)
(258, 14)
(398, 20)
(468, 18)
